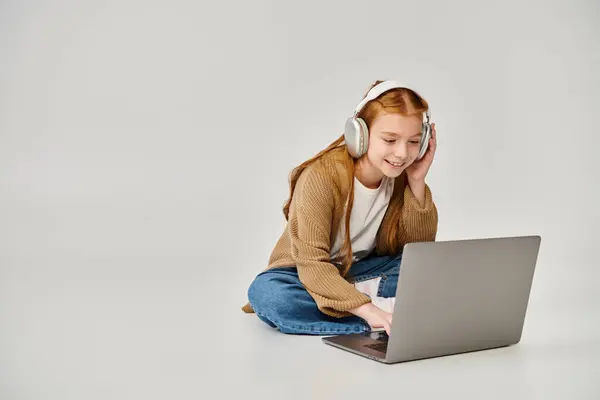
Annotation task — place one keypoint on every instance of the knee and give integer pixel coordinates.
(257, 290)
(270, 295)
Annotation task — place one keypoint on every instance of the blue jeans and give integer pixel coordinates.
(280, 300)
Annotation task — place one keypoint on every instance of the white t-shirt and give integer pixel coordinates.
(368, 210)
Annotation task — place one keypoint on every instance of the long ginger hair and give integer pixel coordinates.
(401, 101)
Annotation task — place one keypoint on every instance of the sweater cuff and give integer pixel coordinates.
(339, 309)
(413, 203)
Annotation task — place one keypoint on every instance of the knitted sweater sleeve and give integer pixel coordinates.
(418, 223)
(310, 218)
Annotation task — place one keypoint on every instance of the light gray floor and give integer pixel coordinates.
(126, 335)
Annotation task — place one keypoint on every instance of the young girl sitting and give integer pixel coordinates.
(351, 209)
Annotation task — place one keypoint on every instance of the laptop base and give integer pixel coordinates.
(363, 344)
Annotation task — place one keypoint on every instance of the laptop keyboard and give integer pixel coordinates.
(381, 346)
(382, 341)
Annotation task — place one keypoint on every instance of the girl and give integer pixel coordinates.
(351, 209)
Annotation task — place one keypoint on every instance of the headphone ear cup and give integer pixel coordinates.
(364, 136)
(356, 136)
(425, 140)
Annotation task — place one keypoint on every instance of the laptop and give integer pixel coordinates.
(453, 297)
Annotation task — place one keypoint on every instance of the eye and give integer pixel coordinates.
(388, 141)
(415, 141)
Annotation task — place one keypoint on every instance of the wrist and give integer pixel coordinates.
(363, 310)
(416, 182)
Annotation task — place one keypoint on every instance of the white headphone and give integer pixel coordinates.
(356, 133)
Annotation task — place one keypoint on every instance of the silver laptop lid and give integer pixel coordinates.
(463, 295)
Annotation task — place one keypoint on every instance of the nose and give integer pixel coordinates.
(401, 151)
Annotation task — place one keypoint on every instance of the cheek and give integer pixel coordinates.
(384, 150)
(378, 151)
(413, 152)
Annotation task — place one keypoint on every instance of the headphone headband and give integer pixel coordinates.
(379, 89)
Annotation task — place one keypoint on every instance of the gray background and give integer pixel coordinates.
(145, 148)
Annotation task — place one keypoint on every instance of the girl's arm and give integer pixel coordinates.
(419, 220)
(310, 219)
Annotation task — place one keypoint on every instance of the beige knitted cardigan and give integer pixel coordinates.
(316, 210)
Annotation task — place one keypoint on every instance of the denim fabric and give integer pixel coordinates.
(280, 300)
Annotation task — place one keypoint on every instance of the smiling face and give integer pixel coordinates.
(394, 142)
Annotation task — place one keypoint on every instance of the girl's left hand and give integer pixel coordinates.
(418, 170)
